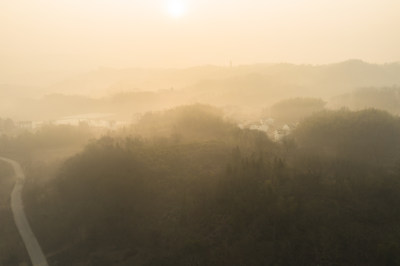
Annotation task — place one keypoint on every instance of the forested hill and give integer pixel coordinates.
(204, 192)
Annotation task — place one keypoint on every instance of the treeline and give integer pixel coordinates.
(329, 194)
(384, 98)
(6, 125)
(22, 143)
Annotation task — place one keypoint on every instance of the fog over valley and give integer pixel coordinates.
(127, 92)
(191, 133)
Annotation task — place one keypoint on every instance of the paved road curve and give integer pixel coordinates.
(17, 207)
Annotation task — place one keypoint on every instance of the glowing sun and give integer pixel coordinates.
(176, 9)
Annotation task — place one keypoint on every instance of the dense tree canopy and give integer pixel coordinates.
(226, 196)
(47, 137)
(370, 136)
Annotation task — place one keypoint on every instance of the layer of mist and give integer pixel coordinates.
(273, 164)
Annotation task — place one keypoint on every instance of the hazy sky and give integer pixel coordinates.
(68, 34)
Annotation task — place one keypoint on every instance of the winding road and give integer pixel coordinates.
(17, 206)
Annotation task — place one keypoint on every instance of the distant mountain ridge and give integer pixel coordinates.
(348, 74)
(129, 91)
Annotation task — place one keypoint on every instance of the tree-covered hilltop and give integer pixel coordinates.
(294, 110)
(186, 123)
(199, 123)
(370, 136)
(219, 195)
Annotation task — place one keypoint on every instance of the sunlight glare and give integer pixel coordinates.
(176, 9)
